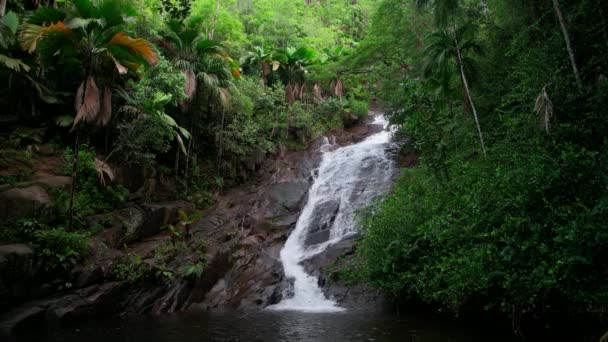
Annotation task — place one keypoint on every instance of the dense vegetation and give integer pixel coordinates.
(505, 103)
(188, 91)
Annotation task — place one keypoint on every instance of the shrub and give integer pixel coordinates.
(59, 249)
(359, 108)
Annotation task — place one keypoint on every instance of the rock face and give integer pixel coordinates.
(134, 223)
(324, 266)
(17, 268)
(18, 202)
(323, 217)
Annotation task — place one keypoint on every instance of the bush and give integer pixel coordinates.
(90, 197)
(359, 108)
(60, 250)
(130, 268)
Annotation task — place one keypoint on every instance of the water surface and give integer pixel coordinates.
(269, 325)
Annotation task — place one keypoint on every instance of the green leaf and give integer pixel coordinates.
(64, 120)
(14, 64)
(11, 20)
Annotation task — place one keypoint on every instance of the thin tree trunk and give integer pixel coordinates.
(220, 150)
(177, 159)
(468, 92)
(601, 12)
(214, 21)
(2, 8)
(188, 151)
(74, 175)
(560, 17)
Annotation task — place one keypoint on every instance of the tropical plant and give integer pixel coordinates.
(87, 36)
(293, 63)
(205, 65)
(260, 62)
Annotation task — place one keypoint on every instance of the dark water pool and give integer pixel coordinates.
(272, 326)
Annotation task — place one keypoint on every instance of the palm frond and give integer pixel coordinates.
(14, 64)
(139, 46)
(45, 15)
(30, 34)
(103, 169)
(11, 21)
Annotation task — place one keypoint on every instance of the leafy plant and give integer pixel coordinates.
(59, 249)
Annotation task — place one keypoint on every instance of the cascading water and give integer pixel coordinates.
(348, 178)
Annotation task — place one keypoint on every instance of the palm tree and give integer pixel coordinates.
(261, 61)
(447, 49)
(204, 64)
(87, 36)
(336, 87)
(293, 63)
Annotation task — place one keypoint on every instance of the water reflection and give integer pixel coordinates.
(270, 326)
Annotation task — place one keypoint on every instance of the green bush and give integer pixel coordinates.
(359, 108)
(59, 249)
(130, 268)
(90, 196)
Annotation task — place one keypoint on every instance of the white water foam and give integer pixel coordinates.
(353, 175)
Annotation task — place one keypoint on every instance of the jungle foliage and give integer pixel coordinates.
(504, 104)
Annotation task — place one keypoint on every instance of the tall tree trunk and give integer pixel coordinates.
(74, 176)
(220, 150)
(467, 91)
(560, 17)
(214, 21)
(177, 159)
(188, 151)
(2, 8)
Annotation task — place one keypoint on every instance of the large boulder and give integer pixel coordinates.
(17, 266)
(322, 219)
(16, 262)
(15, 203)
(134, 223)
(284, 201)
(51, 182)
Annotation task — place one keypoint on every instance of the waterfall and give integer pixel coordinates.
(348, 178)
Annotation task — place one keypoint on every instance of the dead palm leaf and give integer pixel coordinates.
(103, 169)
(544, 108)
(87, 102)
(103, 117)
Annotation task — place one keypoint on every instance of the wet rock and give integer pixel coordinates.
(30, 315)
(16, 263)
(15, 203)
(326, 266)
(285, 197)
(159, 215)
(45, 149)
(17, 267)
(322, 219)
(60, 182)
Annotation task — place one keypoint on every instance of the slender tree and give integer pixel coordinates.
(445, 47)
(566, 35)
